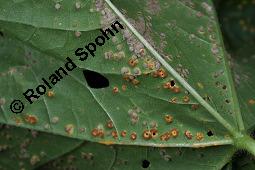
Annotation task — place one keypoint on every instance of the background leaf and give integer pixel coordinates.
(23, 148)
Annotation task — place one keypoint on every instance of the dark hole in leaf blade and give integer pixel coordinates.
(209, 133)
(95, 80)
(172, 83)
(145, 163)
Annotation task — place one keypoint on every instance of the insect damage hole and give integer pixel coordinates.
(209, 133)
(172, 83)
(145, 163)
(1, 34)
(95, 80)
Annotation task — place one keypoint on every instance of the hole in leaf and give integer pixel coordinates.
(172, 83)
(145, 163)
(95, 80)
(224, 87)
(209, 133)
(1, 34)
(227, 101)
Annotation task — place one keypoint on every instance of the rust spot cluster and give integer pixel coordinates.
(167, 135)
(31, 119)
(97, 132)
(148, 134)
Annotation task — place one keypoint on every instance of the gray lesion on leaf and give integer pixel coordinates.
(153, 6)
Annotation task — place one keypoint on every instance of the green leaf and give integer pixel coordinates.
(80, 107)
(36, 38)
(23, 148)
(243, 67)
(95, 156)
(237, 23)
(191, 45)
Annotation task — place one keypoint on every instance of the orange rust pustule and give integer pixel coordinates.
(188, 134)
(186, 99)
(115, 90)
(50, 93)
(133, 62)
(199, 136)
(168, 118)
(133, 136)
(97, 132)
(173, 100)
(165, 137)
(174, 132)
(176, 89)
(124, 87)
(251, 102)
(123, 133)
(162, 73)
(32, 119)
(135, 82)
(167, 85)
(114, 134)
(109, 124)
(154, 133)
(142, 51)
(146, 134)
(194, 106)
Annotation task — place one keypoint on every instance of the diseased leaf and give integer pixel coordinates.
(135, 107)
(144, 104)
